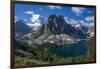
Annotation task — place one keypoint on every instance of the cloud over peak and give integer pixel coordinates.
(78, 10)
(35, 17)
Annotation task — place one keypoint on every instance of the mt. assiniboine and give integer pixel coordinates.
(55, 25)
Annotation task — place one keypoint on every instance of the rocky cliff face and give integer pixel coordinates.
(57, 25)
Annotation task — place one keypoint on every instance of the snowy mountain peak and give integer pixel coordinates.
(36, 24)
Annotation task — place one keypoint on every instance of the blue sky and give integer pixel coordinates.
(30, 12)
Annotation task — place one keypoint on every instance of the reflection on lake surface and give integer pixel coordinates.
(71, 50)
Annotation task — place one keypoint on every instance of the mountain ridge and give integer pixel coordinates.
(56, 25)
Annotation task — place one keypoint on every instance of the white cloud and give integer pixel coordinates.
(35, 17)
(54, 7)
(16, 19)
(78, 10)
(30, 25)
(29, 12)
(35, 26)
(90, 18)
(35, 23)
